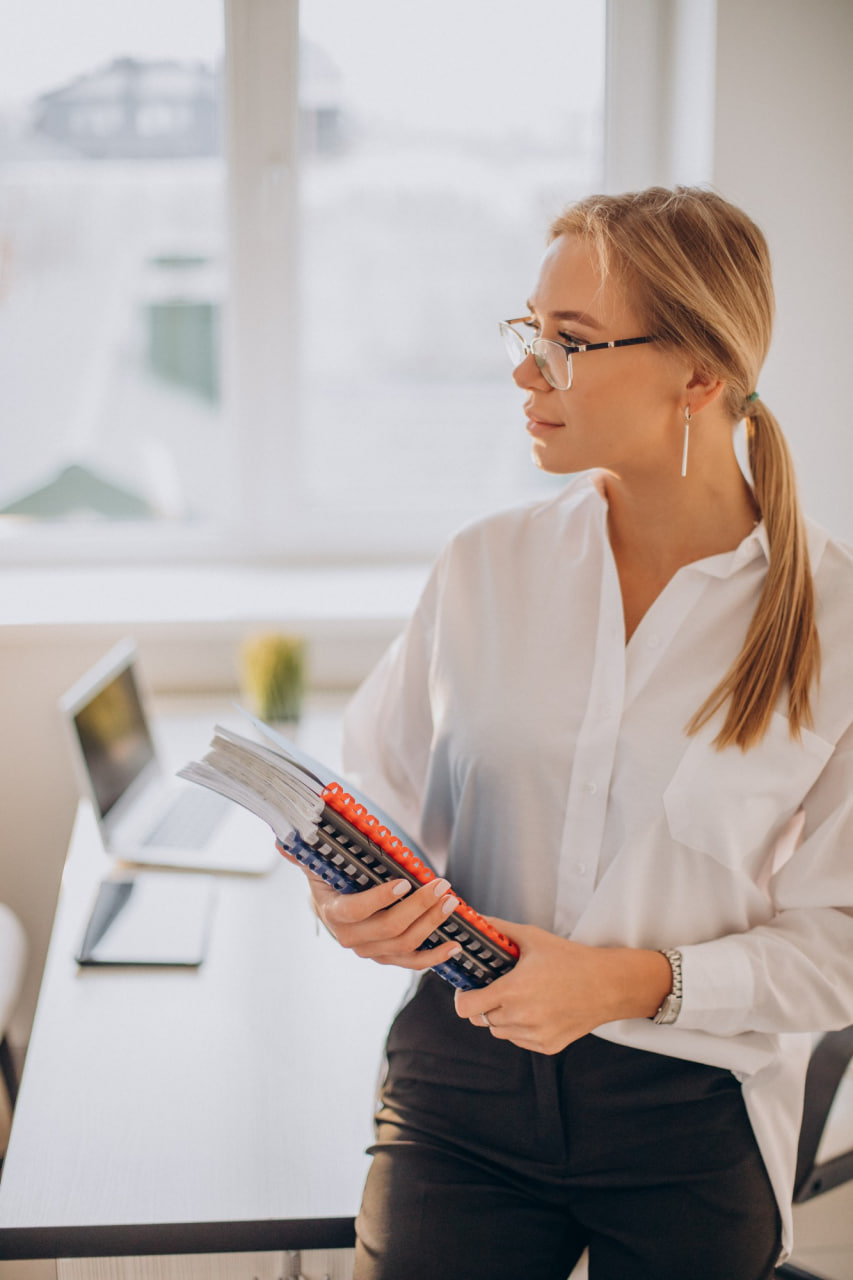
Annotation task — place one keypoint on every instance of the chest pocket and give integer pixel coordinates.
(730, 803)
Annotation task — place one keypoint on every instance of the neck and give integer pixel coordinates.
(657, 527)
(676, 525)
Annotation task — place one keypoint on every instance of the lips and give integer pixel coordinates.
(534, 420)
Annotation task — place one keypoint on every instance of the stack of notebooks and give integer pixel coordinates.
(343, 838)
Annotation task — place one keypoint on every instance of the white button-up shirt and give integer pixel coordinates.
(542, 763)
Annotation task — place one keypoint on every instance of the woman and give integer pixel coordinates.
(605, 723)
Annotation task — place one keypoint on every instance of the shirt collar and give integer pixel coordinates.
(726, 563)
(754, 544)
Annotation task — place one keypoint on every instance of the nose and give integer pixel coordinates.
(529, 376)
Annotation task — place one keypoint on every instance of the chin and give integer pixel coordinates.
(554, 465)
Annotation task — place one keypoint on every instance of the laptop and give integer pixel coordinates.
(145, 815)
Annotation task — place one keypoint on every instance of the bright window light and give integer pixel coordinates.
(436, 141)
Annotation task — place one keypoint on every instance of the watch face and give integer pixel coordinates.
(669, 1010)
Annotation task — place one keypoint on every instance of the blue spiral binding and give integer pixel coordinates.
(451, 970)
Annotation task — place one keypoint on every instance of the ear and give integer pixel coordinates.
(703, 389)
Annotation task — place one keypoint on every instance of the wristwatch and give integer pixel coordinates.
(671, 1007)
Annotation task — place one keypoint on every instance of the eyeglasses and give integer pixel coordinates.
(553, 359)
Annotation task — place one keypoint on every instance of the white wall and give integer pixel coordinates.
(37, 792)
(783, 149)
(756, 98)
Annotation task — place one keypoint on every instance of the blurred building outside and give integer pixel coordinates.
(113, 281)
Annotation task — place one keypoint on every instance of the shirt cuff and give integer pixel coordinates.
(718, 987)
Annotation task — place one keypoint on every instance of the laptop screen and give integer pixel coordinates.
(114, 738)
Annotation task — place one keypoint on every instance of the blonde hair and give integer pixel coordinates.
(699, 270)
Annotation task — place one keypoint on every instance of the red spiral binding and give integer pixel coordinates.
(344, 804)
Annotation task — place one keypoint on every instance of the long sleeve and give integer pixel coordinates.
(794, 973)
(388, 725)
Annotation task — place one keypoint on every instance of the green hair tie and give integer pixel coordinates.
(754, 396)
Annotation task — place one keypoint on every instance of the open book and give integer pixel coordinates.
(341, 837)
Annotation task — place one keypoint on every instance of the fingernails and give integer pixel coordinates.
(440, 887)
(457, 951)
(401, 887)
(449, 904)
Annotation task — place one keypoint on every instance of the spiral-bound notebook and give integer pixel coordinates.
(339, 835)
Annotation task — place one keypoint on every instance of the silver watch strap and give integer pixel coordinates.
(671, 1007)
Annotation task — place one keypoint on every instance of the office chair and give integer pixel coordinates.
(825, 1152)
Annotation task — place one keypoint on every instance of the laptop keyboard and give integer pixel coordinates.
(190, 822)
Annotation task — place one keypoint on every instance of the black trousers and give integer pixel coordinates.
(494, 1163)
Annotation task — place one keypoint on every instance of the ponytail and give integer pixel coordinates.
(782, 644)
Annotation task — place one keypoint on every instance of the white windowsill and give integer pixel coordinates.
(189, 621)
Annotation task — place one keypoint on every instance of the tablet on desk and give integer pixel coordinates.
(151, 918)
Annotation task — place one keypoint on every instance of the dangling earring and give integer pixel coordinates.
(686, 440)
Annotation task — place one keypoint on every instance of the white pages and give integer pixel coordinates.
(276, 788)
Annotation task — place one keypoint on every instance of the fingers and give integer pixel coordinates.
(390, 923)
(361, 905)
(497, 1020)
(353, 908)
(476, 1001)
(488, 1019)
(420, 960)
(520, 933)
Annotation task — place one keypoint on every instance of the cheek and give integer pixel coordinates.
(591, 408)
(617, 403)
(561, 404)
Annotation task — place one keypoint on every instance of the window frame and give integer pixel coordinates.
(265, 521)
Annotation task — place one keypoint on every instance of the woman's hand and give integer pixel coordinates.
(559, 990)
(388, 922)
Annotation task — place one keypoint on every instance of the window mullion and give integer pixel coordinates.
(659, 92)
(261, 356)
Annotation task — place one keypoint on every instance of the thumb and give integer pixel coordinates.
(517, 932)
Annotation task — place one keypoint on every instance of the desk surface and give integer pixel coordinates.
(222, 1109)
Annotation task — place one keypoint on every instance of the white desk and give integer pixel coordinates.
(218, 1111)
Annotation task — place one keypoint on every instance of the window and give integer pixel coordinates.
(112, 239)
(444, 150)
(335, 385)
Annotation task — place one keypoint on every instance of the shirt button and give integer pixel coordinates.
(653, 642)
(580, 867)
(590, 788)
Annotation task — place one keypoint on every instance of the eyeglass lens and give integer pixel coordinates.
(551, 359)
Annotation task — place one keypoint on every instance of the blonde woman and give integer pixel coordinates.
(620, 721)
